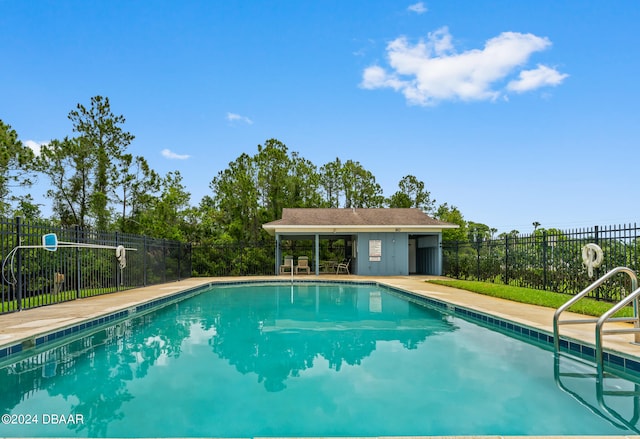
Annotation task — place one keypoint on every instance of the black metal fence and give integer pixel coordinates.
(257, 259)
(546, 260)
(243, 259)
(33, 277)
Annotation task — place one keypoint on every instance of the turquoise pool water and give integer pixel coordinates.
(312, 360)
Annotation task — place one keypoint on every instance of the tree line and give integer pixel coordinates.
(95, 183)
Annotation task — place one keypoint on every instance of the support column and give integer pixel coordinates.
(317, 258)
(278, 255)
(439, 256)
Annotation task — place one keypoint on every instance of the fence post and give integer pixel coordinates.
(179, 259)
(144, 261)
(478, 244)
(457, 260)
(506, 260)
(78, 265)
(544, 259)
(164, 260)
(18, 286)
(116, 264)
(635, 248)
(597, 270)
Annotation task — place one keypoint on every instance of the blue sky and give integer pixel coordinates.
(512, 111)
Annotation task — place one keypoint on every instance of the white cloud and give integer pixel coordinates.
(418, 8)
(35, 146)
(233, 117)
(540, 77)
(173, 156)
(377, 77)
(431, 71)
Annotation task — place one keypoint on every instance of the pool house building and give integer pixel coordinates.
(378, 241)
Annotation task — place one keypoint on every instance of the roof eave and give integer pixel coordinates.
(343, 228)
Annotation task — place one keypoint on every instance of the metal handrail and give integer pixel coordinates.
(580, 295)
(607, 316)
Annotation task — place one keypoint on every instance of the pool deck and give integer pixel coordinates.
(25, 325)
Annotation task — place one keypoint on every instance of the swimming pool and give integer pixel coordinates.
(314, 359)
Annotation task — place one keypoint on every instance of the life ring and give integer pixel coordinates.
(592, 257)
(121, 256)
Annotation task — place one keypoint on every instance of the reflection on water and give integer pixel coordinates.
(332, 323)
(275, 334)
(601, 393)
(91, 372)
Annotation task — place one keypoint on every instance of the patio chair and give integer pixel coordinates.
(303, 264)
(288, 265)
(343, 266)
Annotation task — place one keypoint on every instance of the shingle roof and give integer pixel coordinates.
(356, 217)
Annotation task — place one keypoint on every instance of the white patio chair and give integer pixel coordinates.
(288, 265)
(343, 266)
(303, 264)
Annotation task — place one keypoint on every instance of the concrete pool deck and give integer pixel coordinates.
(24, 325)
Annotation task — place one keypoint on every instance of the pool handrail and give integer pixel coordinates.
(606, 316)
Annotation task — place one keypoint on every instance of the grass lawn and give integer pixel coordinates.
(531, 296)
(51, 298)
